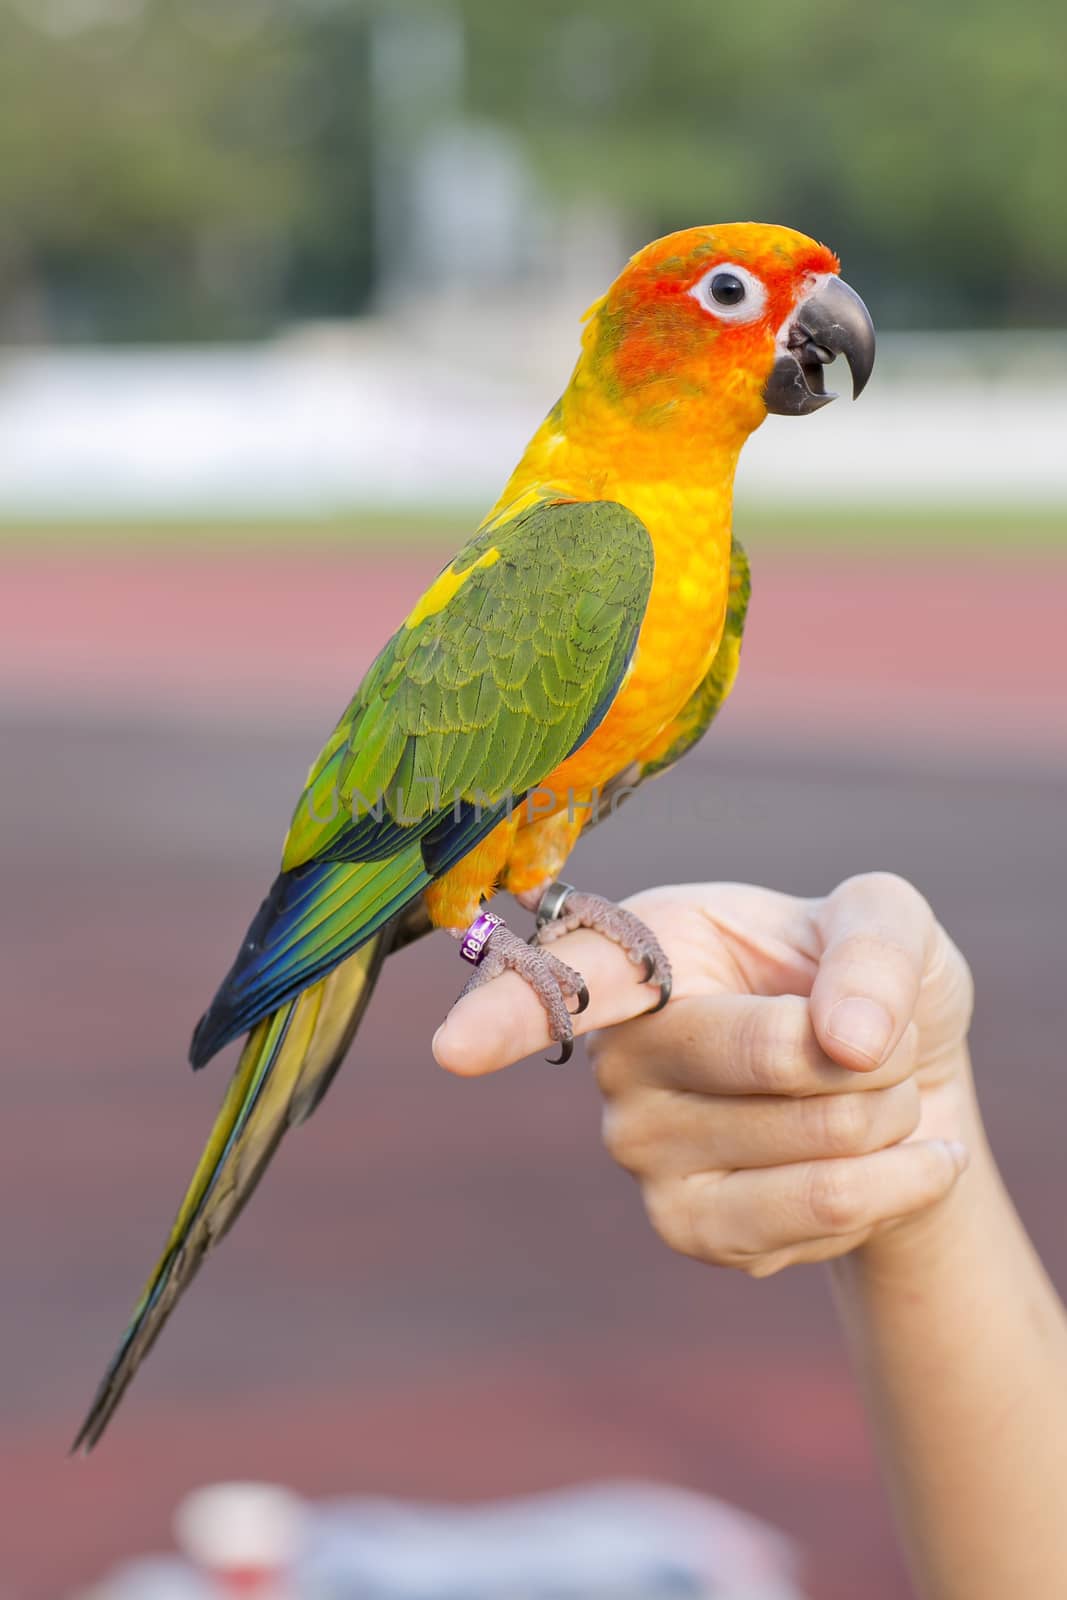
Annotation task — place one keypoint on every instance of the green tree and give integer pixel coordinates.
(923, 139)
(180, 167)
(204, 167)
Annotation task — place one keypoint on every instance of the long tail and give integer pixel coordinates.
(288, 1062)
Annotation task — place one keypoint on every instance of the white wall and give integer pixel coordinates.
(433, 410)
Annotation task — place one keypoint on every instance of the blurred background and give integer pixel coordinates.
(284, 287)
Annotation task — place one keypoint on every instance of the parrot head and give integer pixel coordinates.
(726, 323)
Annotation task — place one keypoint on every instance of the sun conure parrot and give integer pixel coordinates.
(581, 641)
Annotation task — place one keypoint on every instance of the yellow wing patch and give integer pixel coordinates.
(446, 586)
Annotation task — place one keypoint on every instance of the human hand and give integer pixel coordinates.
(806, 1088)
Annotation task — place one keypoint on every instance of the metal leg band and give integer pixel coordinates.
(552, 902)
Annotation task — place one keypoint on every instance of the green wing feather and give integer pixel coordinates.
(488, 691)
(504, 667)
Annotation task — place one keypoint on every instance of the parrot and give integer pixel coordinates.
(582, 641)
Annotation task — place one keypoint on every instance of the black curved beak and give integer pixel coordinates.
(831, 322)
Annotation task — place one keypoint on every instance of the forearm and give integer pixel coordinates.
(960, 1343)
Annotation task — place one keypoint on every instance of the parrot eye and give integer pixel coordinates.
(727, 289)
(730, 293)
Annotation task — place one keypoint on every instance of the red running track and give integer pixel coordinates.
(970, 647)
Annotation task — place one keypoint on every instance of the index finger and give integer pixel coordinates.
(727, 1045)
(504, 1021)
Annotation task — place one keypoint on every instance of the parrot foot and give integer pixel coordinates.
(563, 909)
(551, 980)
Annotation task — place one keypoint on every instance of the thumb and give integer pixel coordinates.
(876, 933)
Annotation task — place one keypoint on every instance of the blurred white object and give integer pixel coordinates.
(430, 409)
(605, 1540)
(245, 1535)
(611, 1541)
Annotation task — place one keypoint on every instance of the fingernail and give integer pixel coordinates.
(436, 1039)
(959, 1153)
(865, 1026)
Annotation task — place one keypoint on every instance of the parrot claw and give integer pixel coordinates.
(664, 994)
(552, 981)
(564, 909)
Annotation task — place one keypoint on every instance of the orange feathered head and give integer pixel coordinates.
(742, 316)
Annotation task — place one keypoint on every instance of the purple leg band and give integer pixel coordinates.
(478, 936)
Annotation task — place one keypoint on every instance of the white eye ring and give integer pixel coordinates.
(747, 309)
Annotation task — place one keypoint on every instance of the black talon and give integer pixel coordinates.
(566, 1050)
(664, 996)
(583, 1001)
(650, 967)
